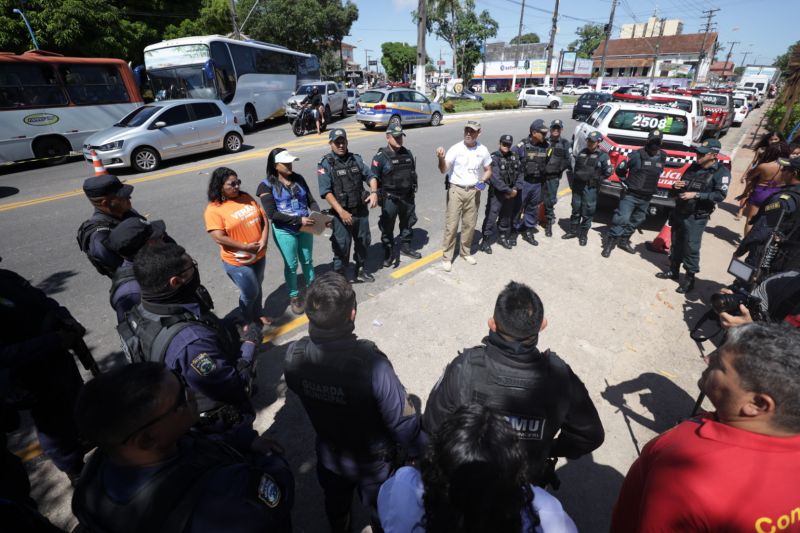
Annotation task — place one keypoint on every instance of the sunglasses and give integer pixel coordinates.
(235, 183)
(187, 269)
(180, 402)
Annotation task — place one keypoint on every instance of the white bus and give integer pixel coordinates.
(49, 104)
(253, 78)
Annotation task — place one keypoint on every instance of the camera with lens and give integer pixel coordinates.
(729, 303)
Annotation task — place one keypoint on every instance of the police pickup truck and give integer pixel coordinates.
(625, 126)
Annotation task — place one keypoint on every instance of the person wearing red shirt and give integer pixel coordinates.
(735, 469)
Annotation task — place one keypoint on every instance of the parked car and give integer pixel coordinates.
(568, 89)
(381, 107)
(333, 98)
(719, 112)
(538, 96)
(164, 130)
(740, 108)
(587, 103)
(583, 89)
(686, 102)
(352, 98)
(635, 90)
(464, 95)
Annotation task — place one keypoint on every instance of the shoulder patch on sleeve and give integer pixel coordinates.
(268, 491)
(785, 197)
(203, 364)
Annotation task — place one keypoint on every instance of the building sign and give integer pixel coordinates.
(568, 61)
(583, 66)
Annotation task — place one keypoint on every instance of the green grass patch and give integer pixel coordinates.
(569, 98)
(492, 101)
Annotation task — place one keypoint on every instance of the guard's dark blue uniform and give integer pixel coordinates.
(506, 177)
(558, 161)
(92, 237)
(397, 178)
(207, 487)
(36, 369)
(125, 292)
(360, 412)
(344, 178)
(783, 206)
(689, 218)
(590, 169)
(533, 158)
(640, 173)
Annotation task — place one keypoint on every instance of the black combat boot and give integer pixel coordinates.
(485, 247)
(503, 241)
(406, 250)
(673, 273)
(528, 237)
(625, 244)
(609, 245)
(363, 276)
(388, 256)
(572, 233)
(512, 239)
(582, 237)
(687, 284)
(548, 229)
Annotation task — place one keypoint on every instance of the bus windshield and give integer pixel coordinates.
(181, 82)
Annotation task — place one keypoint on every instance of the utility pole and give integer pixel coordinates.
(236, 33)
(730, 52)
(483, 60)
(421, 55)
(519, 47)
(366, 63)
(658, 49)
(605, 47)
(744, 59)
(709, 13)
(550, 46)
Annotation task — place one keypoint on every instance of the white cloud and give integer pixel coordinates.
(404, 4)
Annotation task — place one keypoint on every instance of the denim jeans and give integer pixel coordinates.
(248, 278)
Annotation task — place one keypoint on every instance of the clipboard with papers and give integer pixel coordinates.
(321, 221)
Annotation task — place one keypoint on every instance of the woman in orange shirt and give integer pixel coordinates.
(236, 222)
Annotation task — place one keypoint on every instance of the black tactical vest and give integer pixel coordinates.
(509, 166)
(558, 156)
(164, 504)
(122, 275)
(787, 256)
(535, 160)
(146, 336)
(587, 168)
(97, 222)
(347, 181)
(336, 390)
(644, 180)
(534, 403)
(697, 180)
(403, 176)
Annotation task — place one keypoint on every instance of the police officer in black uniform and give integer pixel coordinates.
(638, 175)
(592, 166)
(396, 171)
(773, 244)
(174, 325)
(536, 391)
(558, 160)
(341, 175)
(532, 152)
(152, 472)
(702, 186)
(37, 369)
(356, 403)
(505, 184)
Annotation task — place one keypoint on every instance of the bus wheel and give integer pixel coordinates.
(232, 142)
(54, 149)
(250, 118)
(145, 159)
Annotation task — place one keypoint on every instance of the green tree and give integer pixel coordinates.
(589, 38)
(396, 57)
(214, 17)
(782, 61)
(526, 38)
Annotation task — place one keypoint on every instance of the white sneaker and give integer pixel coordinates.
(470, 259)
(447, 266)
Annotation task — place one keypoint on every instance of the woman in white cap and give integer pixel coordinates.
(288, 202)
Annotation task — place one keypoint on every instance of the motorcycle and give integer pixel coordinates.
(305, 120)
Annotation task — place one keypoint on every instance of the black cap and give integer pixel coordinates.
(396, 130)
(709, 145)
(539, 125)
(106, 185)
(655, 135)
(131, 234)
(506, 139)
(557, 124)
(337, 133)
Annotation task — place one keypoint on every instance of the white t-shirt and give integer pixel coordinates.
(466, 165)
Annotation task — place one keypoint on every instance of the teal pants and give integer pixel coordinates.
(295, 248)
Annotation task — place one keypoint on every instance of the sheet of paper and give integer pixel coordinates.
(320, 221)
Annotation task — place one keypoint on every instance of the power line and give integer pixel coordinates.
(709, 13)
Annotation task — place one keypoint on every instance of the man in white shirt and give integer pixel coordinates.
(468, 166)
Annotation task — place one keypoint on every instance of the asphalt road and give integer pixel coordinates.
(615, 322)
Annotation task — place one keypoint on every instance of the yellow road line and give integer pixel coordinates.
(30, 452)
(285, 328)
(419, 263)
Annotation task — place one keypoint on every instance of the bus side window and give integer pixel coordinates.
(93, 84)
(30, 85)
(223, 71)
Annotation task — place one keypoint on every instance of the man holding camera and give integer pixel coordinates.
(734, 469)
(776, 299)
(702, 186)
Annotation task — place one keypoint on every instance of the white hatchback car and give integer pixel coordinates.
(740, 108)
(583, 89)
(537, 96)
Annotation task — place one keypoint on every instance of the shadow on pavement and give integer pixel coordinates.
(5, 192)
(588, 493)
(696, 307)
(725, 234)
(56, 282)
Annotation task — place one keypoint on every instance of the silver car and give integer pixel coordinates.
(164, 130)
(352, 98)
(381, 107)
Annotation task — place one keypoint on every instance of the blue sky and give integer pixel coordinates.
(765, 28)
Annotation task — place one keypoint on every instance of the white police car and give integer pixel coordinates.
(381, 107)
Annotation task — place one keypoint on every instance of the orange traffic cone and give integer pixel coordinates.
(99, 169)
(663, 240)
(542, 217)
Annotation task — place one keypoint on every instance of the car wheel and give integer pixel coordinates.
(395, 120)
(369, 125)
(523, 103)
(145, 159)
(55, 149)
(250, 118)
(328, 113)
(436, 119)
(343, 114)
(232, 142)
(553, 105)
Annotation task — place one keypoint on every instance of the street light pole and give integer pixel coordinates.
(605, 46)
(30, 30)
(519, 47)
(366, 64)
